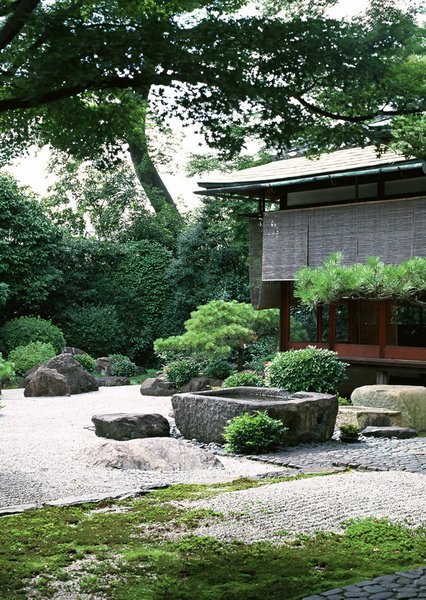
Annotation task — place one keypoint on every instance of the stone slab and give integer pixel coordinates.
(366, 416)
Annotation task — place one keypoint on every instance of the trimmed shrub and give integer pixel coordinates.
(310, 370)
(181, 371)
(95, 329)
(245, 378)
(32, 355)
(253, 433)
(23, 330)
(218, 369)
(87, 362)
(123, 366)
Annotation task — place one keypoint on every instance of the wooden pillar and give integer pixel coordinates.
(319, 323)
(331, 326)
(285, 303)
(382, 327)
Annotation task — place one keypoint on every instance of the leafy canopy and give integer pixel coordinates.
(373, 280)
(82, 75)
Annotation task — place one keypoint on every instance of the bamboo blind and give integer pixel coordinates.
(393, 230)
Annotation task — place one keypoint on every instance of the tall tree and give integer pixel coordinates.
(82, 74)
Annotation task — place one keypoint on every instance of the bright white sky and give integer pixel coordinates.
(32, 170)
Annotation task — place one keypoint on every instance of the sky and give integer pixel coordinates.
(32, 170)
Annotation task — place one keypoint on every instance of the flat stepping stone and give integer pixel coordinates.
(130, 426)
(401, 433)
(367, 416)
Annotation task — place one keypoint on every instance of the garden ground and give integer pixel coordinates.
(223, 541)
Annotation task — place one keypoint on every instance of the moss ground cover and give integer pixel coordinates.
(124, 551)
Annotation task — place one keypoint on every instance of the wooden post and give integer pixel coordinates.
(319, 323)
(331, 326)
(285, 303)
(382, 327)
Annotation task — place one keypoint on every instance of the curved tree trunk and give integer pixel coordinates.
(146, 171)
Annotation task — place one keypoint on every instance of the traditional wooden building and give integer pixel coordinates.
(349, 201)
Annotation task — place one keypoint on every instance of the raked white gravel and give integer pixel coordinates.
(40, 437)
(319, 504)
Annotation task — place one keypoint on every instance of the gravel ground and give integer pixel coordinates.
(39, 438)
(316, 504)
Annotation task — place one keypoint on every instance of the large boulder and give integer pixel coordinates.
(157, 386)
(151, 454)
(47, 382)
(308, 417)
(409, 400)
(128, 426)
(104, 365)
(78, 379)
(198, 384)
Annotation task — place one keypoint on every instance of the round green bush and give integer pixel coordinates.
(181, 371)
(245, 378)
(87, 362)
(31, 355)
(309, 370)
(123, 366)
(23, 330)
(253, 433)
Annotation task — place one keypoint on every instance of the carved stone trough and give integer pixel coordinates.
(309, 417)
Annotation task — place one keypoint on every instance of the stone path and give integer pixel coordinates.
(404, 584)
(370, 454)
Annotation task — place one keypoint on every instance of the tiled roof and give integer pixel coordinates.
(334, 162)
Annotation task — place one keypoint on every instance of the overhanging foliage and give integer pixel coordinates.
(373, 280)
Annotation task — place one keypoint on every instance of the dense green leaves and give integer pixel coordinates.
(373, 280)
(28, 247)
(23, 330)
(253, 433)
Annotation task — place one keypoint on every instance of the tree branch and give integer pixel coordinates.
(62, 93)
(360, 118)
(17, 21)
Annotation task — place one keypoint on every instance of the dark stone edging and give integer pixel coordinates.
(77, 500)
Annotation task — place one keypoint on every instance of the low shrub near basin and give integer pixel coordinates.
(253, 433)
(310, 370)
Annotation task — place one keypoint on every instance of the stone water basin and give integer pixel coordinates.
(309, 417)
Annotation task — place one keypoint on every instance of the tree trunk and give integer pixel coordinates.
(146, 171)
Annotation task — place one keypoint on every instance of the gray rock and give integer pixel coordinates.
(198, 384)
(151, 454)
(409, 400)
(122, 426)
(309, 417)
(78, 379)
(72, 350)
(401, 433)
(112, 381)
(47, 382)
(104, 364)
(157, 386)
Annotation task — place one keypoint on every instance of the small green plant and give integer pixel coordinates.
(253, 433)
(23, 330)
(344, 401)
(349, 430)
(31, 355)
(181, 371)
(123, 366)
(310, 370)
(87, 362)
(245, 378)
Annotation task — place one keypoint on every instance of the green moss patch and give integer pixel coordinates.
(123, 553)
